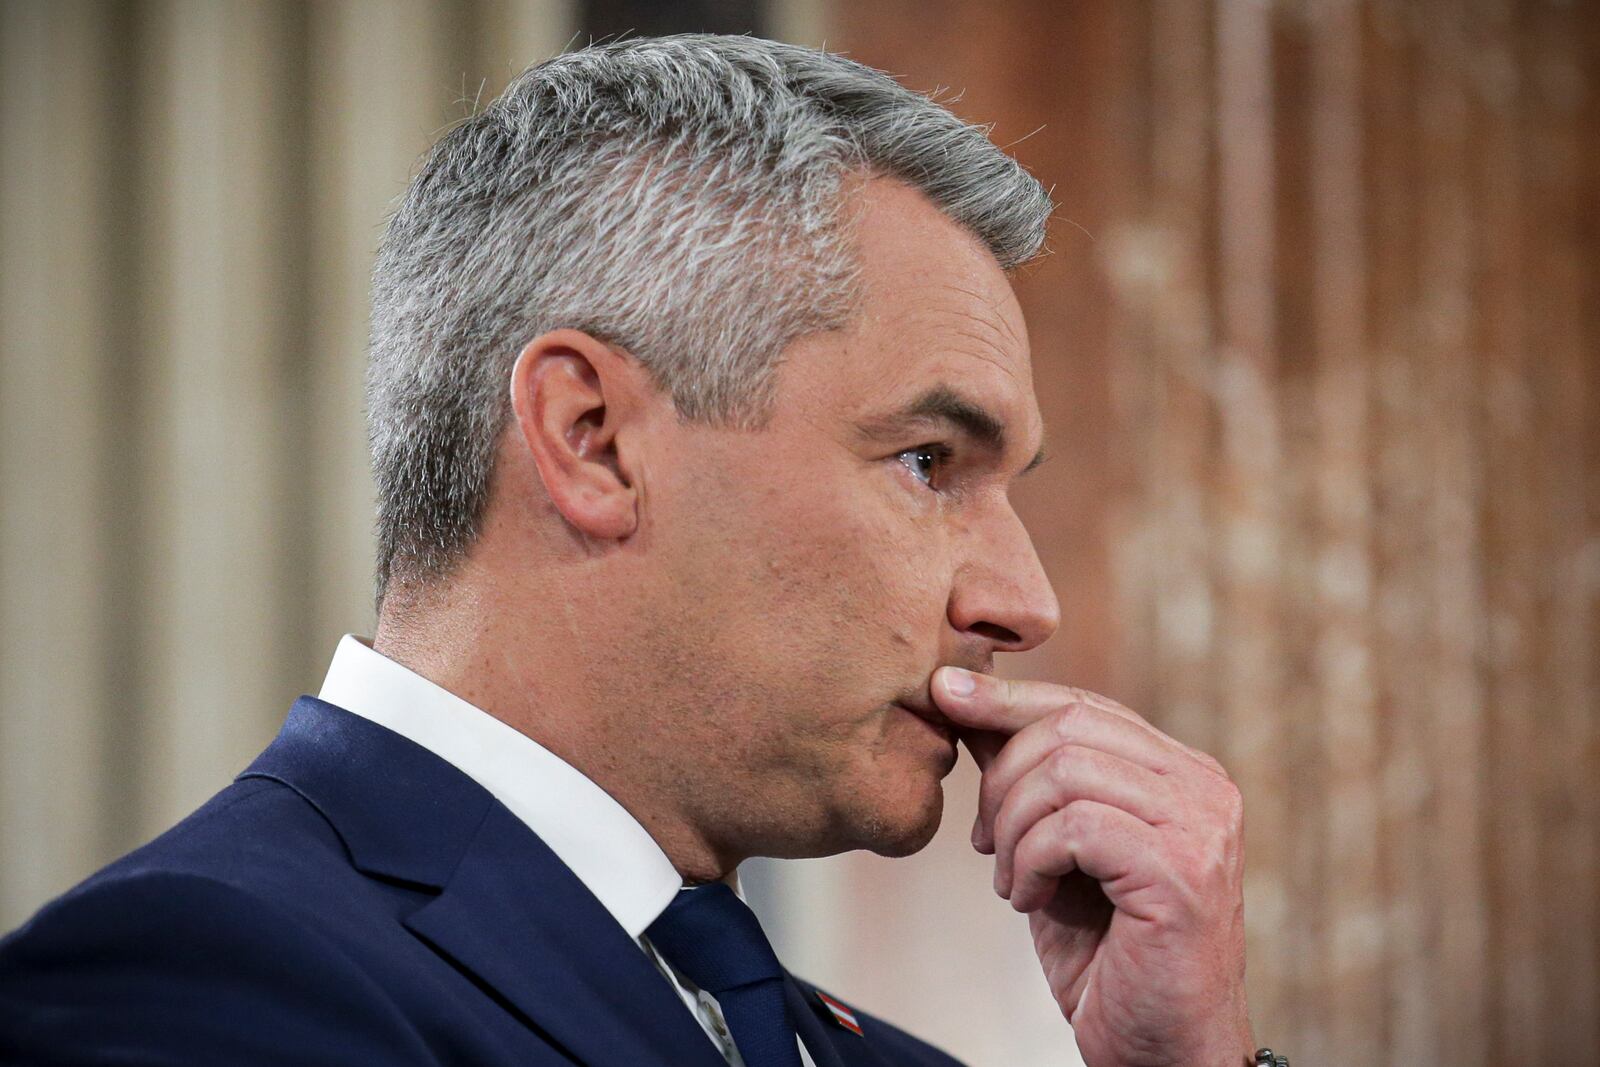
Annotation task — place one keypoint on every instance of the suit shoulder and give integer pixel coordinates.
(893, 1044)
(132, 903)
(263, 838)
(157, 963)
(240, 826)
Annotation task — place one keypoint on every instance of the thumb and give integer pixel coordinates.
(980, 701)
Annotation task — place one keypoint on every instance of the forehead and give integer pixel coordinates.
(936, 310)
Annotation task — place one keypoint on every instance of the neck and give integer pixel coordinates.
(530, 679)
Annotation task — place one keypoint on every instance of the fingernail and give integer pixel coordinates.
(958, 682)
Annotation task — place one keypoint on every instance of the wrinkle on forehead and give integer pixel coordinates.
(933, 296)
(913, 256)
(995, 306)
(962, 332)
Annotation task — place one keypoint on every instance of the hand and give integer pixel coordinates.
(1125, 848)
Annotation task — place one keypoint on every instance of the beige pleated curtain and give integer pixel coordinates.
(1317, 353)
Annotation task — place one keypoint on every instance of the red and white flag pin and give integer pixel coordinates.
(841, 1014)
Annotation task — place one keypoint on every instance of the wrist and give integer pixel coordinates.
(1238, 1044)
(1228, 1041)
(1235, 1048)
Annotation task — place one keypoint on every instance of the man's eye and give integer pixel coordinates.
(931, 455)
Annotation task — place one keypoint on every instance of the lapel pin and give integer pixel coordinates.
(841, 1014)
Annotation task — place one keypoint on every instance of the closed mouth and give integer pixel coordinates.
(932, 718)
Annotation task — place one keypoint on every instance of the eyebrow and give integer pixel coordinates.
(941, 404)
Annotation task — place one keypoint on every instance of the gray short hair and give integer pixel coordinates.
(679, 197)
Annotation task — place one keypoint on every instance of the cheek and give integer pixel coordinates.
(872, 578)
(824, 585)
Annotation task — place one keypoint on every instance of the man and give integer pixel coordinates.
(697, 386)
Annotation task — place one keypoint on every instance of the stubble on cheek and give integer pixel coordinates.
(800, 618)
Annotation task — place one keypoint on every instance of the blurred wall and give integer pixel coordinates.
(1319, 349)
(1316, 349)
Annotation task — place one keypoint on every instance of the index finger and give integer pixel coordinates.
(1004, 706)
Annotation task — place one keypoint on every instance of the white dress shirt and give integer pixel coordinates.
(605, 846)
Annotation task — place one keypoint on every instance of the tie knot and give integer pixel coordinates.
(714, 938)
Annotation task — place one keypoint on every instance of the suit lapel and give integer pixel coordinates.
(818, 1041)
(521, 921)
(508, 911)
(830, 1044)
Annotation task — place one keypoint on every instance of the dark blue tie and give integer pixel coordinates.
(714, 938)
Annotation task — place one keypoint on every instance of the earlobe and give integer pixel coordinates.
(572, 398)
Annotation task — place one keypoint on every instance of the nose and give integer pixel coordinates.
(1002, 593)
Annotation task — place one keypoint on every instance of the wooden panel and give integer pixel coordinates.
(1347, 1011)
(1160, 264)
(802, 22)
(1250, 667)
(1561, 73)
(1352, 268)
(1305, 370)
(1398, 543)
(1514, 550)
(1454, 699)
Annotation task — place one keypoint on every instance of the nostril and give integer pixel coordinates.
(996, 633)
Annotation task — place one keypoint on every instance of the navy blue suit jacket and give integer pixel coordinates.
(353, 899)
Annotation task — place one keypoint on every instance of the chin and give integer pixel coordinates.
(903, 825)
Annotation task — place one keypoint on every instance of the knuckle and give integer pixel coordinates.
(1135, 717)
(1074, 695)
(1066, 719)
(1216, 865)
(1075, 822)
(1211, 763)
(1039, 848)
(1067, 763)
(1216, 855)
(1233, 805)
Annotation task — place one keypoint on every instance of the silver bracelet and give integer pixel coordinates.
(1265, 1057)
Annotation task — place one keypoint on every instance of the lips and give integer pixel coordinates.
(932, 716)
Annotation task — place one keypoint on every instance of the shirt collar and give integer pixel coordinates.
(596, 837)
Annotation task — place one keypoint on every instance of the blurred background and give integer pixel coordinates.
(1318, 353)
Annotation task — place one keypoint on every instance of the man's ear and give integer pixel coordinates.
(571, 393)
